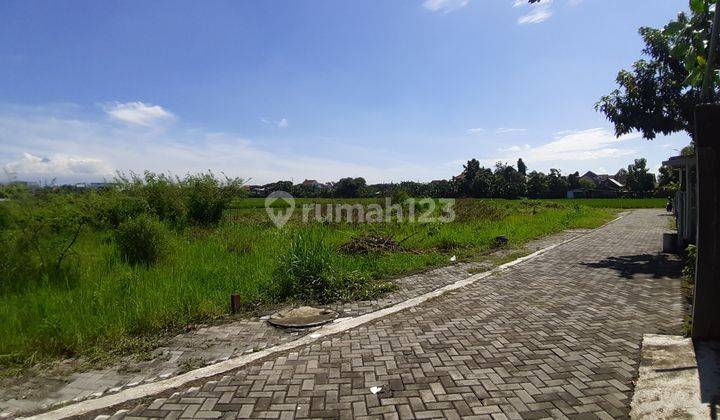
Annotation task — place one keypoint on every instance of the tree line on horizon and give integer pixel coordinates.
(475, 181)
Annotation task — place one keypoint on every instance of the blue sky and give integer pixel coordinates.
(268, 90)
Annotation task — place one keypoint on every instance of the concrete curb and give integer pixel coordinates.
(668, 384)
(339, 326)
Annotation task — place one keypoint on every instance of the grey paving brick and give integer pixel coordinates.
(557, 336)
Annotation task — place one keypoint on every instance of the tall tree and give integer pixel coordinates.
(537, 185)
(470, 170)
(667, 176)
(658, 95)
(521, 167)
(349, 187)
(508, 182)
(482, 184)
(639, 178)
(557, 184)
(574, 180)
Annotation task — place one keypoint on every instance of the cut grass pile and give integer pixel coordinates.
(111, 305)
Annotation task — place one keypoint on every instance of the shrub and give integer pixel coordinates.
(37, 244)
(5, 217)
(690, 259)
(312, 271)
(306, 272)
(116, 209)
(400, 196)
(207, 198)
(162, 193)
(17, 264)
(141, 240)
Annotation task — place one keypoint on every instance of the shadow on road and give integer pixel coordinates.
(628, 266)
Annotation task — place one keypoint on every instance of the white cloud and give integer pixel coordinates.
(516, 148)
(43, 143)
(475, 130)
(138, 113)
(444, 6)
(536, 16)
(596, 144)
(282, 123)
(540, 12)
(34, 168)
(505, 130)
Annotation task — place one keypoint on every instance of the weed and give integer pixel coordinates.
(141, 240)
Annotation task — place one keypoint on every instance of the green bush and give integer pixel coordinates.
(16, 262)
(207, 198)
(162, 193)
(200, 199)
(114, 209)
(38, 241)
(141, 240)
(313, 271)
(306, 272)
(5, 217)
(400, 196)
(690, 260)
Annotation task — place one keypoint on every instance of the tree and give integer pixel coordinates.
(586, 184)
(557, 184)
(639, 178)
(521, 167)
(574, 180)
(349, 187)
(666, 176)
(468, 176)
(441, 189)
(537, 185)
(658, 95)
(286, 186)
(482, 184)
(508, 183)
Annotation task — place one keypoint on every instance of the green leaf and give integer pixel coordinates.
(698, 6)
(673, 28)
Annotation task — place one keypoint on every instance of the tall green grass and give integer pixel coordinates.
(112, 302)
(616, 203)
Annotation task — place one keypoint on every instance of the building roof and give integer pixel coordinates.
(613, 182)
(681, 161)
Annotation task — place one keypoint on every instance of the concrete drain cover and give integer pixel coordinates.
(302, 317)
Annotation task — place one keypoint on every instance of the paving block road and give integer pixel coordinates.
(556, 336)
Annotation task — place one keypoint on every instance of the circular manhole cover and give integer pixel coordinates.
(302, 317)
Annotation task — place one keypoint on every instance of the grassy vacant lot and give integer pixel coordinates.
(97, 301)
(618, 203)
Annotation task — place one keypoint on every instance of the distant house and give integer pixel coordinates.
(605, 181)
(621, 176)
(610, 184)
(606, 186)
(591, 176)
(310, 183)
(255, 190)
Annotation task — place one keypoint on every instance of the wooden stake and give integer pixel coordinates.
(234, 304)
